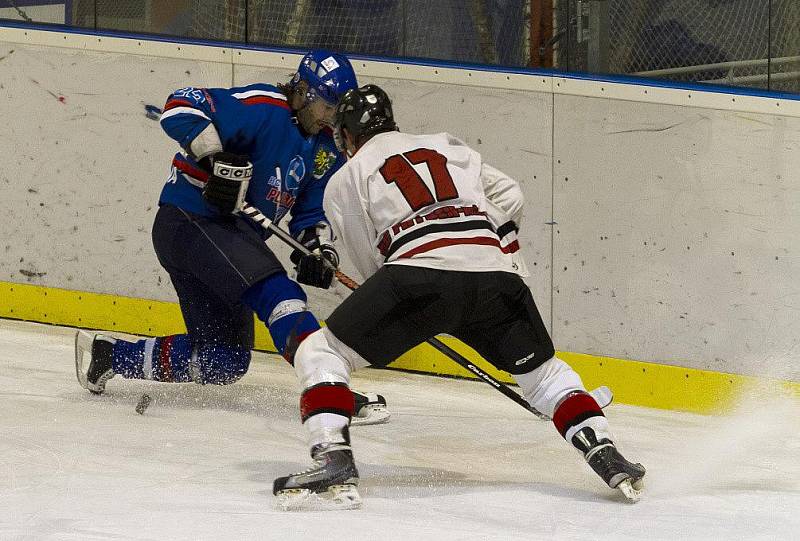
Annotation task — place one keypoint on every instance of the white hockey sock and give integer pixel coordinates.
(545, 386)
(322, 358)
(323, 365)
(326, 428)
(598, 423)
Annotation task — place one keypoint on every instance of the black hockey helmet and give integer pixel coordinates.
(363, 112)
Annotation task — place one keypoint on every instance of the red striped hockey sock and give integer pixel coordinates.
(328, 397)
(574, 412)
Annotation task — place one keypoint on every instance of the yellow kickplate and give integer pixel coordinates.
(99, 311)
(633, 382)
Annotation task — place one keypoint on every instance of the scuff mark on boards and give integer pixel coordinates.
(9, 53)
(646, 130)
(31, 274)
(58, 97)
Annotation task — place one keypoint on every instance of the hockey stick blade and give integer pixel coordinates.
(603, 396)
(371, 414)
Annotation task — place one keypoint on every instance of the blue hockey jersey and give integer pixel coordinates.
(290, 171)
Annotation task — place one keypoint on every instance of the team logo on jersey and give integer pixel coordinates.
(283, 201)
(323, 162)
(295, 174)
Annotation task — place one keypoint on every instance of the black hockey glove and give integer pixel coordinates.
(227, 184)
(317, 268)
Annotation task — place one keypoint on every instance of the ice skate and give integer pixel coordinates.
(94, 374)
(370, 409)
(609, 464)
(329, 484)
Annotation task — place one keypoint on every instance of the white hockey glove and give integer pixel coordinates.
(317, 268)
(227, 185)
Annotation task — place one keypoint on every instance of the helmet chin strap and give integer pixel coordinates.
(350, 153)
(341, 142)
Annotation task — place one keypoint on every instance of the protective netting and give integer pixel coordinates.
(647, 35)
(643, 35)
(44, 12)
(486, 31)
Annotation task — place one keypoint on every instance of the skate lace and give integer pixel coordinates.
(320, 460)
(318, 464)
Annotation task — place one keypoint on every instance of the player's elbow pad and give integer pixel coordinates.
(205, 144)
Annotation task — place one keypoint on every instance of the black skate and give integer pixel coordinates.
(100, 350)
(370, 409)
(609, 464)
(330, 483)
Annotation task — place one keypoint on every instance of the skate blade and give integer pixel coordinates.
(632, 490)
(371, 414)
(83, 346)
(335, 498)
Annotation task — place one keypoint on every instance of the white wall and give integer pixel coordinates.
(676, 212)
(83, 165)
(678, 234)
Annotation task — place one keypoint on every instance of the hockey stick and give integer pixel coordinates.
(602, 394)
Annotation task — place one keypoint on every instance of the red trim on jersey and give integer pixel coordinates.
(511, 248)
(189, 169)
(575, 409)
(173, 103)
(440, 243)
(209, 99)
(327, 398)
(255, 100)
(163, 358)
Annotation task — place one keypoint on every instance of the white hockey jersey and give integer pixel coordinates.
(427, 201)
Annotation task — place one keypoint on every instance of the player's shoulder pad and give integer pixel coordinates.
(260, 94)
(187, 100)
(458, 145)
(188, 96)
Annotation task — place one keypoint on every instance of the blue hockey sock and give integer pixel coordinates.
(288, 331)
(165, 358)
(281, 304)
(169, 359)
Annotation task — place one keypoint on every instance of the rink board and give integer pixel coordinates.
(659, 226)
(638, 383)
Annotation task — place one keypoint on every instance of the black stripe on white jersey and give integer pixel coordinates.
(468, 225)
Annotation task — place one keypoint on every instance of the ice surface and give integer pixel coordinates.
(458, 461)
